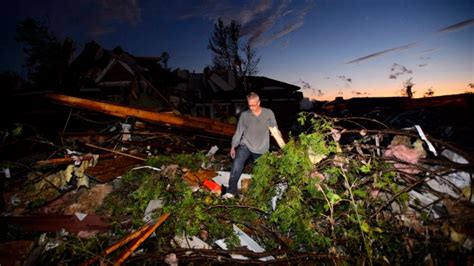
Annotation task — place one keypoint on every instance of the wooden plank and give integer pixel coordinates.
(117, 152)
(68, 160)
(180, 121)
(107, 170)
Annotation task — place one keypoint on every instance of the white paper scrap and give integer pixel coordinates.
(423, 137)
(80, 215)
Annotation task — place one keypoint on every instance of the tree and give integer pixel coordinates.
(47, 58)
(430, 92)
(165, 57)
(226, 45)
(407, 88)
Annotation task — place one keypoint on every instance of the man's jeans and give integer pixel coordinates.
(242, 154)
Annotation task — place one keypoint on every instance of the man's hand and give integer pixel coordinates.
(232, 152)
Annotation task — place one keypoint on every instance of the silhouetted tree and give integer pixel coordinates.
(10, 81)
(47, 58)
(471, 85)
(407, 90)
(227, 49)
(165, 57)
(430, 92)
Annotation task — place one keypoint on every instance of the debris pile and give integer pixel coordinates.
(331, 194)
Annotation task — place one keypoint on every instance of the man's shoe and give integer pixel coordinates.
(228, 196)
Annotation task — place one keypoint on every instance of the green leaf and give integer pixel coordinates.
(377, 229)
(333, 198)
(360, 193)
(365, 227)
(365, 168)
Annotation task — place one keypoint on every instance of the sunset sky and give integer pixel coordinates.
(348, 48)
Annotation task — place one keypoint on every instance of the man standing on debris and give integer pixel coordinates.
(251, 139)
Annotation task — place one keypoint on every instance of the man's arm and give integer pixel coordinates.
(272, 122)
(239, 131)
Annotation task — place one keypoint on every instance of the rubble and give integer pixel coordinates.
(328, 195)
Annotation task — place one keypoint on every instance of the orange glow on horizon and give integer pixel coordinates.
(440, 89)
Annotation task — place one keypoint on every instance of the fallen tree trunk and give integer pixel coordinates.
(180, 121)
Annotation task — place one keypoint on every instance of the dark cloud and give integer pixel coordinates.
(429, 50)
(397, 70)
(450, 28)
(346, 80)
(294, 22)
(304, 84)
(457, 26)
(370, 56)
(262, 21)
(358, 93)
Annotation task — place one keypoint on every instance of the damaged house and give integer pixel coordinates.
(119, 77)
(225, 97)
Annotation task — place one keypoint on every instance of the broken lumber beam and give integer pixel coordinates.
(68, 160)
(117, 152)
(180, 121)
(140, 239)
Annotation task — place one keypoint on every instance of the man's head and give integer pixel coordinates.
(253, 102)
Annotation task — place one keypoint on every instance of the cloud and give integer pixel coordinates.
(262, 21)
(457, 26)
(429, 50)
(304, 84)
(359, 93)
(370, 56)
(397, 70)
(346, 80)
(450, 28)
(293, 24)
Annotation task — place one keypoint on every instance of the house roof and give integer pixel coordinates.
(264, 82)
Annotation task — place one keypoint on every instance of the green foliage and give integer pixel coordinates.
(328, 205)
(293, 216)
(190, 211)
(71, 250)
(17, 130)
